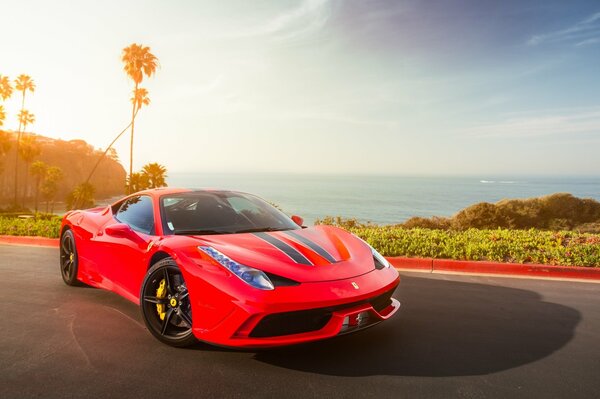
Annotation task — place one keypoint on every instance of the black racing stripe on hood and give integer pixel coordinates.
(285, 248)
(312, 245)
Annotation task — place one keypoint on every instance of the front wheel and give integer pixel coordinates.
(165, 304)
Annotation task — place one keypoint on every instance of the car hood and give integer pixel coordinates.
(320, 253)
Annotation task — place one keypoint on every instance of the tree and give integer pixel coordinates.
(137, 182)
(6, 91)
(54, 174)
(156, 174)
(6, 88)
(81, 196)
(28, 151)
(5, 143)
(38, 172)
(140, 97)
(25, 118)
(23, 83)
(112, 154)
(4, 147)
(138, 62)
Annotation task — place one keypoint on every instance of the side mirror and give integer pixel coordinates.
(298, 220)
(119, 230)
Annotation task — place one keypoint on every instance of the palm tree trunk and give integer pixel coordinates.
(37, 192)
(17, 151)
(131, 142)
(26, 189)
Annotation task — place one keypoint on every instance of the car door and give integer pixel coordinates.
(125, 243)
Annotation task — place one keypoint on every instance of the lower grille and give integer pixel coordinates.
(302, 321)
(288, 323)
(382, 301)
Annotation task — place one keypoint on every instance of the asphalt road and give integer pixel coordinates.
(454, 337)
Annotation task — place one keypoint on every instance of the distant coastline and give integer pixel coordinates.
(385, 199)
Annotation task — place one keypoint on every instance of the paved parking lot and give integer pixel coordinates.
(455, 336)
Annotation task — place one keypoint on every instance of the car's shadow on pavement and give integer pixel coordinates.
(444, 328)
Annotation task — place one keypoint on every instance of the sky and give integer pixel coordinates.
(415, 87)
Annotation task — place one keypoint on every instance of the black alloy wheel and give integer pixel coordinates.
(69, 260)
(165, 304)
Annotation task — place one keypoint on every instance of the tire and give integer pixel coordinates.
(165, 304)
(69, 260)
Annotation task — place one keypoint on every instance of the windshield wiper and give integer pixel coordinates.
(260, 229)
(198, 232)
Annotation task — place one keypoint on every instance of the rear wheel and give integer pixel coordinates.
(165, 304)
(69, 261)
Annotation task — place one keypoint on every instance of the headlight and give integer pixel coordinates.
(249, 275)
(380, 261)
(383, 263)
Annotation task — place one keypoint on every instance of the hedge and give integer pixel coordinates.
(500, 245)
(34, 226)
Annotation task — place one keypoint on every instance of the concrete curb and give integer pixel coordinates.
(428, 265)
(497, 268)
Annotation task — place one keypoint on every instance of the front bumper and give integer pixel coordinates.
(303, 313)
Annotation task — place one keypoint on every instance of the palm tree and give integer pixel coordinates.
(81, 196)
(6, 88)
(38, 172)
(156, 175)
(137, 182)
(5, 93)
(5, 145)
(140, 97)
(138, 62)
(25, 118)
(50, 185)
(23, 83)
(27, 147)
(28, 151)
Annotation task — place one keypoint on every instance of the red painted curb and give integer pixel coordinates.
(480, 267)
(28, 240)
(411, 263)
(532, 270)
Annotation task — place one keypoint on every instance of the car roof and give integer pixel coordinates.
(159, 192)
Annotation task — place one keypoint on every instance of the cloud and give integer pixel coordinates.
(584, 32)
(335, 118)
(575, 122)
(302, 21)
(588, 41)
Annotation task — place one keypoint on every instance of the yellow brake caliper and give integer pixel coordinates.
(161, 292)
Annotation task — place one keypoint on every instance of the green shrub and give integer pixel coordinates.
(344, 223)
(499, 245)
(43, 226)
(434, 222)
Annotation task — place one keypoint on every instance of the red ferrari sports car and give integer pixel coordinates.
(227, 268)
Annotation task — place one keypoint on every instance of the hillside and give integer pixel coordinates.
(75, 158)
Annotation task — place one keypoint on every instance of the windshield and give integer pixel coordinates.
(220, 212)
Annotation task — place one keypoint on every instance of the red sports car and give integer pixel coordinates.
(227, 268)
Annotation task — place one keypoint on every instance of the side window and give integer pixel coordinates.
(137, 213)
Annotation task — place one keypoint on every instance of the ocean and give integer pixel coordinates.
(384, 199)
